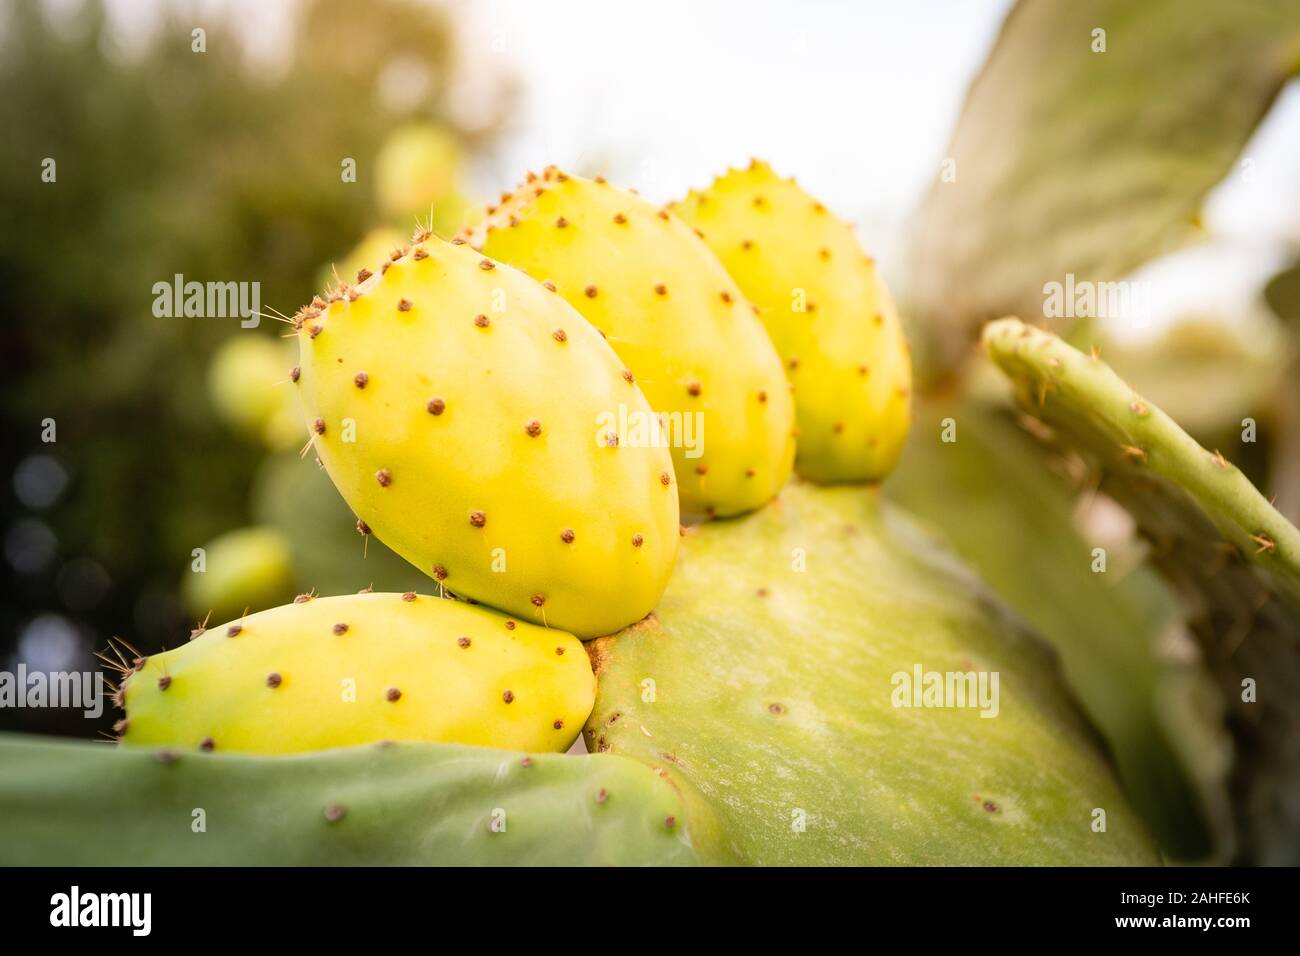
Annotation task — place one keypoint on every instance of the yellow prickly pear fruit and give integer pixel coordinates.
(247, 567)
(469, 417)
(418, 166)
(642, 276)
(828, 312)
(373, 247)
(250, 391)
(342, 671)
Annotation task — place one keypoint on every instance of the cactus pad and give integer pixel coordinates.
(764, 687)
(76, 804)
(1232, 556)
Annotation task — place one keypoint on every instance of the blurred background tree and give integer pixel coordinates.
(211, 165)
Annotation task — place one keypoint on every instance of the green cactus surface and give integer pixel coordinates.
(1120, 634)
(765, 686)
(1232, 556)
(79, 804)
(1065, 387)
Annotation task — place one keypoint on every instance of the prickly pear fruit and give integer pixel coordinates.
(340, 671)
(676, 318)
(462, 410)
(797, 719)
(374, 247)
(405, 804)
(419, 166)
(1217, 540)
(829, 314)
(247, 567)
(250, 391)
(295, 497)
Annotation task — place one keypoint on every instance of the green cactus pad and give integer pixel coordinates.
(1081, 394)
(1232, 556)
(766, 694)
(1119, 634)
(75, 804)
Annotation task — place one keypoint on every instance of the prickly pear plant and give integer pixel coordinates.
(469, 417)
(679, 322)
(71, 804)
(341, 671)
(802, 725)
(828, 312)
(1233, 557)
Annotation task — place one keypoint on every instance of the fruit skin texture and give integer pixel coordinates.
(403, 804)
(674, 316)
(478, 442)
(828, 312)
(341, 671)
(247, 567)
(778, 711)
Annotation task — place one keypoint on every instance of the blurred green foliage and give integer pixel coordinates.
(170, 161)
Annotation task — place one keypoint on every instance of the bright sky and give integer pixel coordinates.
(854, 98)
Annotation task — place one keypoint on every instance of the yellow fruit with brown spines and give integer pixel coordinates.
(679, 322)
(343, 671)
(828, 313)
(458, 407)
(373, 247)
